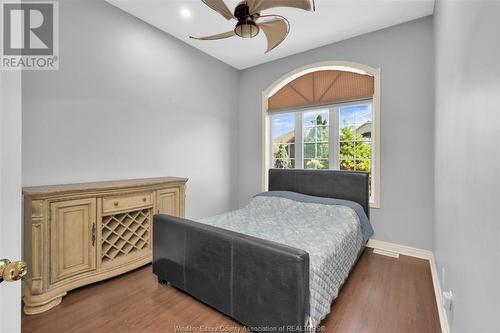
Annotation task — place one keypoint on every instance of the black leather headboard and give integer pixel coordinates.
(347, 185)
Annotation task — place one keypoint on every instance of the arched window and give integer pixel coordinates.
(324, 116)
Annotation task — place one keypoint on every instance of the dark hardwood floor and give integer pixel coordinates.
(382, 294)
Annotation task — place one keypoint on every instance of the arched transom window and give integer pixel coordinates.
(324, 118)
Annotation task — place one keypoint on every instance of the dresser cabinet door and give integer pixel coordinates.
(168, 201)
(73, 238)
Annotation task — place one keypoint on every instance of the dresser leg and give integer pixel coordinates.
(36, 308)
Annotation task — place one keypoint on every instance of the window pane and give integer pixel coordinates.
(355, 122)
(316, 138)
(346, 164)
(322, 150)
(346, 150)
(316, 133)
(309, 150)
(324, 164)
(283, 163)
(315, 118)
(316, 163)
(363, 150)
(283, 127)
(283, 136)
(289, 150)
(316, 150)
(309, 134)
(363, 165)
(355, 114)
(322, 133)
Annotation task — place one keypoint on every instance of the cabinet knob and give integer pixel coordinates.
(144, 199)
(116, 203)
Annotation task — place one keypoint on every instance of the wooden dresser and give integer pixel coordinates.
(82, 233)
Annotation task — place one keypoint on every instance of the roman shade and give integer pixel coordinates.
(322, 88)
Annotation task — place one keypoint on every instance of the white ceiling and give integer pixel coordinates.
(334, 20)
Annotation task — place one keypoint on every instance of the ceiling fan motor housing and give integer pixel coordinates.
(246, 27)
(242, 11)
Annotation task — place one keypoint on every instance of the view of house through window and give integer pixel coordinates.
(337, 137)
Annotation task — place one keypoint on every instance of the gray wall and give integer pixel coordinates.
(405, 54)
(467, 161)
(130, 101)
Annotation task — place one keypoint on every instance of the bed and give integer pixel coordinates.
(276, 264)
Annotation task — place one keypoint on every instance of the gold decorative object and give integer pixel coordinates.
(12, 271)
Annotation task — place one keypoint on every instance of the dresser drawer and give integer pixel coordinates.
(125, 202)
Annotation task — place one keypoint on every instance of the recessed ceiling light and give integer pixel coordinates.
(185, 12)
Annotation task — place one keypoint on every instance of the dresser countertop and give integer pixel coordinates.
(33, 191)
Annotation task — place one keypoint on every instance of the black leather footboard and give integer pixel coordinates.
(259, 283)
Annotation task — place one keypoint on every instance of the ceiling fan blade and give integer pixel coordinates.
(275, 30)
(214, 37)
(256, 6)
(220, 7)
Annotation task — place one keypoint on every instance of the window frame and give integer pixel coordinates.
(347, 66)
(333, 133)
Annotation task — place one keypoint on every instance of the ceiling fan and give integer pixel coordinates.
(250, 20)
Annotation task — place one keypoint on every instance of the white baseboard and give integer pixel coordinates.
(401, 249)
(386, 253)
(385, 247)
(443, 317)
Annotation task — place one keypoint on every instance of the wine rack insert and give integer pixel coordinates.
(125, 234)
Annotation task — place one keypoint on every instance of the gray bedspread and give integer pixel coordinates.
(366, 226)
(331, 234)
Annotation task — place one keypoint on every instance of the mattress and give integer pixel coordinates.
(332, 234)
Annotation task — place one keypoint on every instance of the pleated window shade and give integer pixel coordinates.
(322, 88)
